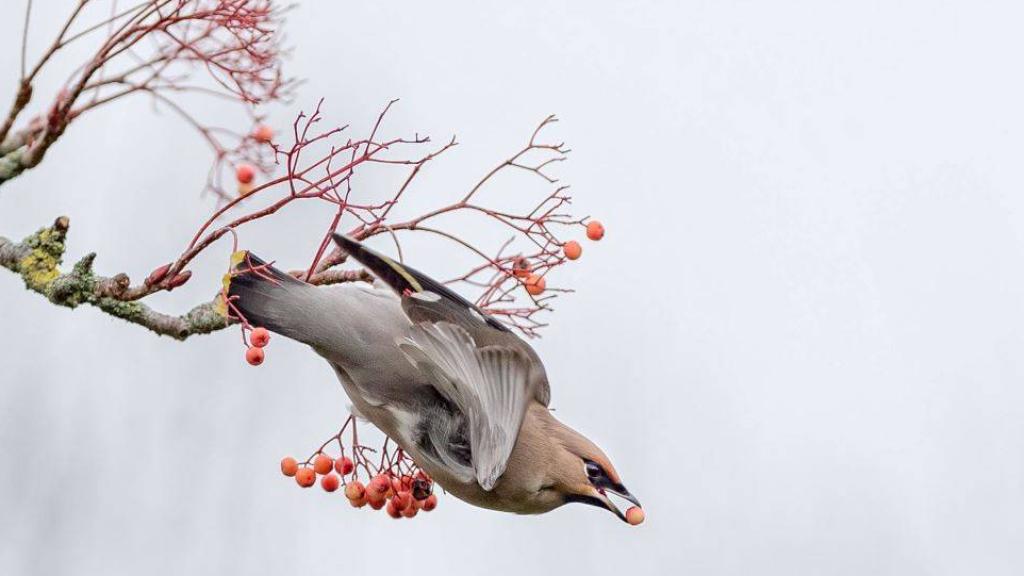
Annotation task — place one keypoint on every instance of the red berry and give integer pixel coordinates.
(254, 356)
(393, 510)
(259, 337)
(355, 490)
(358, 502)
(379, 485)
(375, 499)
(535, 284)
(263, 133)
(344, 466)
(402, 500)
(289, 466)
(330, 482)
(410, 511)
(595, 230)
(323, 463)
(430, 503)
(635, 515)
(305, 477)
(245, 173)
(572, 250)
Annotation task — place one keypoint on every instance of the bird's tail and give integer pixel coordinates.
(268, 297)
(400, 277)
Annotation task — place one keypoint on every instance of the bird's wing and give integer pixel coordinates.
(427, 300)
(489, 384)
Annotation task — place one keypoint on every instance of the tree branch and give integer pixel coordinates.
(37, 259)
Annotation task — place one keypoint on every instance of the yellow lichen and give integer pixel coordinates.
(39, 267)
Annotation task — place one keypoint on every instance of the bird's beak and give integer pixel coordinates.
(604, 494)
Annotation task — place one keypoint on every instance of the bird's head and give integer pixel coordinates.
(578, 471)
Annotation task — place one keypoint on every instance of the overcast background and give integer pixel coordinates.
(800, 340)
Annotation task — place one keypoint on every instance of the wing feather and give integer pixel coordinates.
(490, 386)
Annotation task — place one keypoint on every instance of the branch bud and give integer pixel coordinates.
(157, 275)
(179, 280)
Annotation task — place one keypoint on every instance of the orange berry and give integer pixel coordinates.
(595, 230)
(572, 250)
(289, 466)
(402, 500)
(393, 510)
(330, 482)
(430, 503)
(403, 484)
(305, 477)
(245, 173)
(344, 466)
(323, 463)
(376, 500)
(635, 515)
(263, 133)
(535, 284)
(379, 485)
(355, 490)
(254, 356)
(358, 502)
(259, 337)
(410, 511)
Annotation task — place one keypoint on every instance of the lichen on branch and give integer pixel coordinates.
(37, 260)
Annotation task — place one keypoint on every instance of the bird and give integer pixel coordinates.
(455, 388)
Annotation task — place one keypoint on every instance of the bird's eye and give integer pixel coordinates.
(594, 471)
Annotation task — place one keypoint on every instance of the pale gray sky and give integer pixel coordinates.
(800, 340)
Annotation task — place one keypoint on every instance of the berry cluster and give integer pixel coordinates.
(258, 338)
(396, 482)
(246, 173)
(403, 496)
(535, 283)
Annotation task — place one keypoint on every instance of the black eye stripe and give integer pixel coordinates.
(584, 500)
